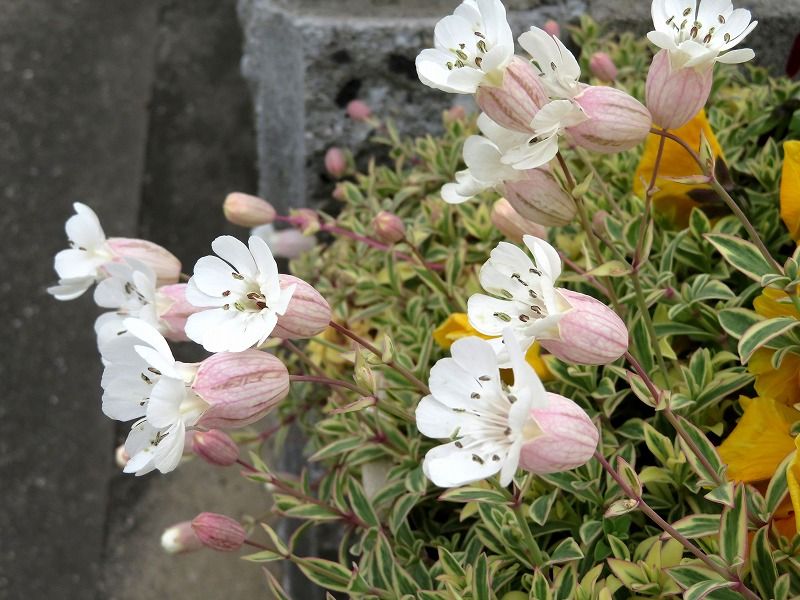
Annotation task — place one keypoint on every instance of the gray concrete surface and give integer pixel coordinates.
(136, 108)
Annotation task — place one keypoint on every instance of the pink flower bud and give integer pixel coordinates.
(567, 440)
(455, 113)
(599, 222)
(553, 28)
(514, 102)
(358, 110)
(247, 211)
(388, 227)
(240, 387)
(603, 67)
(173, 310)
(338, 193)
(307, 315)
(335, 162)
(617, 121)
(306, 220)
(590, 333)
(512, 225)
(539, 197)
(180, 539)
(675, 96)
(215, 447)
(218, 532)
(121, 457)
(166, 265)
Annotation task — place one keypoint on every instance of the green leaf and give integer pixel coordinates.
(659, 444)
(733, 530)
(735, 321)
(697, 526)
(540, 508)
(762, 333)
(566, 551)
(621, 507)
(613, 268)
(691, 574)
(401, 509)
(722, 494)
(338, 447)
(701, 590)
(314, 512)
(481, 584)
(275, 587)
(778, 486)
(762, 565)
(450, 565)
(280, 546)
(629, 476)
(360, 505)
(741, 255)
(263, 556)
(708, 451)
(475, 494)
(327, 574)
(782, 587)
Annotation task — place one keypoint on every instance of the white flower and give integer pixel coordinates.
(142, 380)
(245, 294)
(486, 421)
(559, 70)
(130, 289)
(700, 35)
(523, 299)
(483, 155)
(80, 266)
(472, 46)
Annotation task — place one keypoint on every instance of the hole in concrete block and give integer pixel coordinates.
(349, 91)
(403, 65)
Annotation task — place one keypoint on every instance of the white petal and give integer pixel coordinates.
(452, 385)
(200, 325)
(547, 258)
(150, 336)
(735, 57)
(74, 263)
(481, 310)
(163, 410)
(265, 262)
(448, 466)
(83, 228)
(236, 253)
(533, 156)
(511, 463)
(213, 276)
(475, 356)
(525, 378)
(69, 289)
(437, 420)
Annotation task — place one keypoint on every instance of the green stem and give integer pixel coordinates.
(536, 556)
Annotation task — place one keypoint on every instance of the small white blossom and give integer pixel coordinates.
(472, 46)
(700, 34)
(558, 69)
(244, 294)
(486, 421)
(142, 380)
(129, 289)
(523, 298)
(80, 266)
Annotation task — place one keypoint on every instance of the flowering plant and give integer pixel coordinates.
(584, 389)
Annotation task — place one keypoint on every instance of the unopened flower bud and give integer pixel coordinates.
(553, 28)
(567, 440)
(218, 532)
(339, 193)
(335, 162)
(675, 96)
(215, 447)
(307, 315)
(590, 333)
(285, 243)
(513, 225)
(603, 67)
(617, 121)
(455, 113)
(173, 310)
(599, 222)
(358, 110)
(121, 457)
(180, 539)
(516, 100)
(240, 387)
(388, 227)
(247, 211)
(166, 265)
(539, 197)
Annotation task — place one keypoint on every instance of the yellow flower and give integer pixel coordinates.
(672, 199)
(783, 383)
(790, 188)
(457, 326)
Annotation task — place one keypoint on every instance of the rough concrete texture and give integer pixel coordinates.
(136, 108)
(306, 59)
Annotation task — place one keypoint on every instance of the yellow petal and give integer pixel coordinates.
(672, 199)
(760, 441)
(534, 359)
(782, 384)
(793, 479)
(790, 188)
(455, 327)
(775, 303)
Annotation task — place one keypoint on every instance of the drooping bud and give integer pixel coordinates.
(539, 197)
(675, 96)
(215, 447)
(388, 227)
(218, 532)
(617, 121)
(599, 222)
(285, 243)
(307, 315)
(335, 162)
(240, 387)
(180, 539)
(358, 110)
(590, 333)
(247, 211)
(552, 28)
(603, 67)
(173, 310)
(513, 225)
(567, 438)
(166, 265)
(517, 99)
